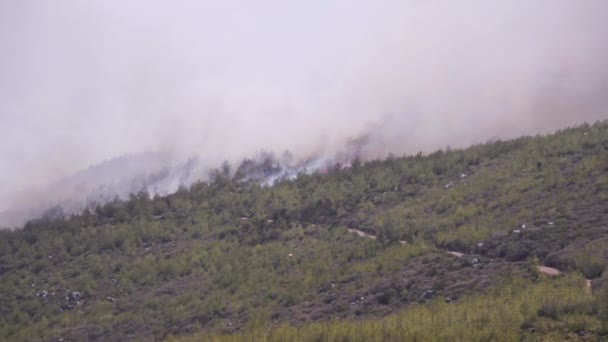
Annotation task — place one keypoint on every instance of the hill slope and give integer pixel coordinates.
(453, 235)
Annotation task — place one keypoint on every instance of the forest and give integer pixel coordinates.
(428, 247)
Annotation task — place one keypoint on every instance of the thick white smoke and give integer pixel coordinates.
(86, 81)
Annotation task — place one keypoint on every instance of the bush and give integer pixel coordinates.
(591, 265)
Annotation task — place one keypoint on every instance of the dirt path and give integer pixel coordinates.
(369, 236)
(456, 254)
(362, 233)
(550, 271)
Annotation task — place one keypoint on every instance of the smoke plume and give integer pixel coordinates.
(165, 91)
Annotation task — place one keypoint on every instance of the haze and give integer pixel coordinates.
(86, 81)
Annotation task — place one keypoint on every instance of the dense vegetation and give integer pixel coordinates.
(511, 312)
(279, 263)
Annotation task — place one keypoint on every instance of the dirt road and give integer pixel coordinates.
(362, 233)
(550, 271)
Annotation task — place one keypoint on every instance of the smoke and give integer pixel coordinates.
(86, 81)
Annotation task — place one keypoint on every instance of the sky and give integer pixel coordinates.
(86, 81)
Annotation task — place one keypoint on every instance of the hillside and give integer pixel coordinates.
(441, 246)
